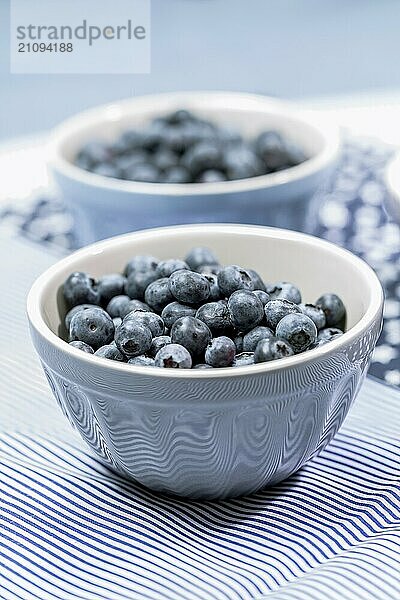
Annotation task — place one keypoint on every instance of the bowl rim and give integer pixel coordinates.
(373, 311)
(114, 110)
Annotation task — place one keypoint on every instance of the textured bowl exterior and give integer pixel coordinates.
(209, 438)
(284, 206)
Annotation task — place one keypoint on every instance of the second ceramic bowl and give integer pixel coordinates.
(213, 433)
(104, 206)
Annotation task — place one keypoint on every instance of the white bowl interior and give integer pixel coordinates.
(313, 265)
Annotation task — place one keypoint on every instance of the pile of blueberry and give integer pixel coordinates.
(181, 148)
(194, 313)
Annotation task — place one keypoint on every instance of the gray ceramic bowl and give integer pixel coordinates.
(104, 206)
(222, 432)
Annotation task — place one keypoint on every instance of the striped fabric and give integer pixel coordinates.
(72, 529)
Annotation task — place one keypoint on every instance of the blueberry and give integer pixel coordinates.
(271, 147)
(189, 287)
(134, 305)
(233, 278)
(191, 333)
(216, 316)
(245, 309)
(275, 310)
(94, 153)
(179, 116)
(79, 288)
(125, 144)
(324, 340)
(268, 140)
(159, 342)
(128, 163)
(243, 359)
(238, 341)
(203, 131)
(83, 161)
(174, 311)
(142, 263)
(207, 269)
(334, 309)
(201, 156)
(182, 139)
(106, 170)
(220, 352)
(176, 174)
(118, 305)
(285, 291)
(73, 311)
(133, 338)
(133, 156)
(229, 137)
(295, 154)
(149, 319)
(142, 361)
(263, 296)
(173, 356)
(272, 349)
(200, 255)
(111, 352)
(110, 286)
(129, 140)
(315, 313)
(153, 135)
(165, 268)
(329, 332)
(143, 172)
(117, 321)
(137, 283)
(211, 176)
(82, 346)
(298, 330)
(158, 294)
(257, 281)
(193, 132)
(252, 337)
(215, 292)
(165, 158)
(202, 366)
(241, 162)
(92, 326)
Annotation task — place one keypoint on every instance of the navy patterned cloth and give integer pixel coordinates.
(349, 211)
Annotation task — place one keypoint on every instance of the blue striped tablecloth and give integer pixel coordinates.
(71, 529)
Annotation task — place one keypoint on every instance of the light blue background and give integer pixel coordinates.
(291, 48)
